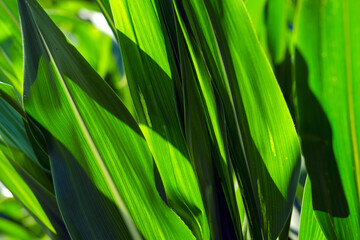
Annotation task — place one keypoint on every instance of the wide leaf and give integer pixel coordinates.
(327, 80)
(96, 148)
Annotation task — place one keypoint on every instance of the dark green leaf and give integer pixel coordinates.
(327, 79)
(88, 128)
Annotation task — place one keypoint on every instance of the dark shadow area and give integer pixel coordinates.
(73, 66)
(160, 100)
(269, 201)
(13, 130)
(234, 143)
(85, 77)
(89, 214)
(249, 166)
(218, 198)
(45, 199)
(67, 59)
(38, 144)
(284, 78)
(151, 86)
(285, 231)
(317, 146)
(227, 228)
(228, 128)
(76, 192)
(159, 184)
(15, 134)
(170, 27)
(47, 202)
(228, 225)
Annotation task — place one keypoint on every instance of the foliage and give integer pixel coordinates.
(177, 121)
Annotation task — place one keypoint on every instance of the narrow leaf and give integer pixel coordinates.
(263, 143)
(309, 226)
(152, 82)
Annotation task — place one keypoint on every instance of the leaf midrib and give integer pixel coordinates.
(99, 160)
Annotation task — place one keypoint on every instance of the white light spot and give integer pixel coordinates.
(98, 20)
(5, 192)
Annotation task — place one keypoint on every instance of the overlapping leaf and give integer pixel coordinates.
(99, 156)
(309, 226)
(20, 169)
(152, 82)
(219, 197)
(244, 79)
(327, 79)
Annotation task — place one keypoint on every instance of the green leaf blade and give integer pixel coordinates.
(309, 226)
(327, 78)
(261, 149)
(79, 110)
(152, 82)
